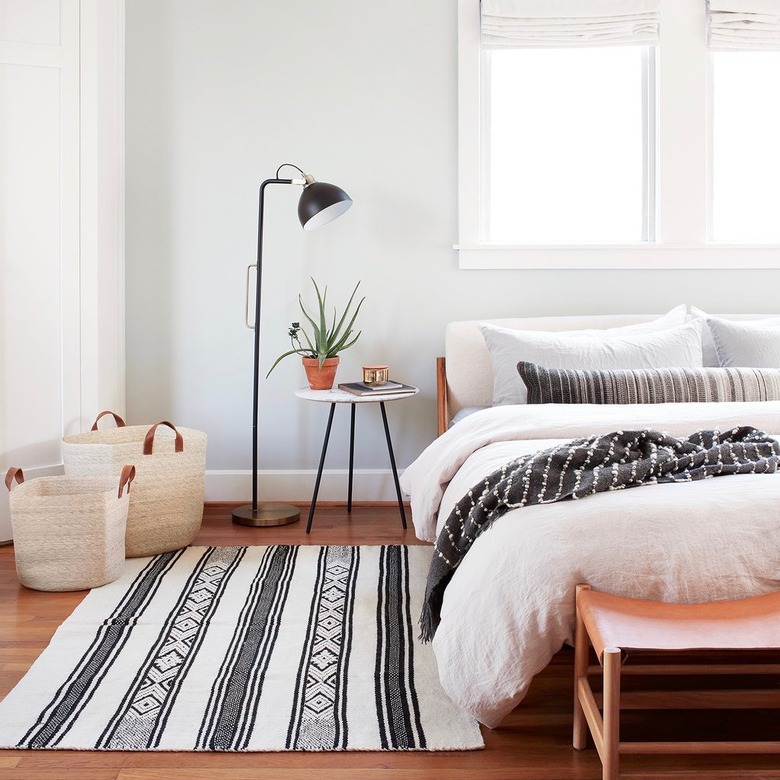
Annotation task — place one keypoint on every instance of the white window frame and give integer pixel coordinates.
(684, 114)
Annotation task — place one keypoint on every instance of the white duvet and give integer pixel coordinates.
(510, 605)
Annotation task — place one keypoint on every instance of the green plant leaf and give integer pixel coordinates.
(322, 340)
(338, 328)
(314, 327)
(341, 346)
(281, 358)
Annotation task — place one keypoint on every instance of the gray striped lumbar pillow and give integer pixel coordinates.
(648, 385)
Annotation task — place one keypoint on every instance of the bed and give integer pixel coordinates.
(509, 606)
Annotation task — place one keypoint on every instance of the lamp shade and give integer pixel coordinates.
(321, 203)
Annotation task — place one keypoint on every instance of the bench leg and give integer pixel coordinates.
(611, 666)
(581, 644)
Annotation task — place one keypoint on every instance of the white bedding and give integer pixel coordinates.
(510, 604)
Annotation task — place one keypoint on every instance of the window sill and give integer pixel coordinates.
(618, 256)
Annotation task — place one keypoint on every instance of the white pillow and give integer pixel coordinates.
(747, 344)
(678, 346)
(709, 353)
(676, 316)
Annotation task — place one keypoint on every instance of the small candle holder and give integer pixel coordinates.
(375, 375)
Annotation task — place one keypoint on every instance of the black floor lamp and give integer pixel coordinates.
(319, 204)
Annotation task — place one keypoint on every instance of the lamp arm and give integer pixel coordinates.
(307, 177)
(258, 297)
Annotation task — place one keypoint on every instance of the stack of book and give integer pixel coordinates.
(361, 388)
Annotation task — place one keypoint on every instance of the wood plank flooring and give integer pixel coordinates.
(534, 742)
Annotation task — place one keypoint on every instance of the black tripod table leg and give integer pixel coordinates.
(392, 464)
(319, 470)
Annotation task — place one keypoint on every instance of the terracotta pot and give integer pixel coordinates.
(320, 377)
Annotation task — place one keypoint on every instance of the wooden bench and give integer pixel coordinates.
(614, 625)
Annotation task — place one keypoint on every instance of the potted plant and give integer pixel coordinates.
(319, 351)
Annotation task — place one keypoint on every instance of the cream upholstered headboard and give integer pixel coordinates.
(465, 374)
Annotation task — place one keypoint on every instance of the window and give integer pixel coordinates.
(746, 153)
(655, 153)
(568, 150)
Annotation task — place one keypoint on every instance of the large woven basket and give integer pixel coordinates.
(69, 532)
(166, 504)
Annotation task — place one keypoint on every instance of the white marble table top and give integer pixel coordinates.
(336, 396)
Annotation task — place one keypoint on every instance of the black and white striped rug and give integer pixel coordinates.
(244, 648)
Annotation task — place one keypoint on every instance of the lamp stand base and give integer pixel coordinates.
(266, 515)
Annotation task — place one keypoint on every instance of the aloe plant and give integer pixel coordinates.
(325, 341)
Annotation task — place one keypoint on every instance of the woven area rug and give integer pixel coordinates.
(244, 649)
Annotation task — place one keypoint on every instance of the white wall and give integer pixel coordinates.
(361, 93)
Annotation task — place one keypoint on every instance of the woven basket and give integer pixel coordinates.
(166, 505)
(69, 532)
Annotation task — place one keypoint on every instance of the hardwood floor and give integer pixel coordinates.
(534, 742)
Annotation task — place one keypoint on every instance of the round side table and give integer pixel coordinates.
(334, 397)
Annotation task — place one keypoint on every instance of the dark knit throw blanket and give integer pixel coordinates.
(595, 464)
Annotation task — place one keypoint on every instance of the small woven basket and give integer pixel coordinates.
(166, 505)
(69, 532)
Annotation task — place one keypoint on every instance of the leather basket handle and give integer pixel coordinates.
(149, 438)
(125, 478)
(13, 473)
(120, 423)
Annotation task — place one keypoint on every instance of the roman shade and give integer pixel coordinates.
(744, 24)
(542, 23)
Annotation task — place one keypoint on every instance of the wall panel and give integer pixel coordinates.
(55, 141)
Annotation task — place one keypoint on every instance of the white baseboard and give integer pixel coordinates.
(367, 485)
